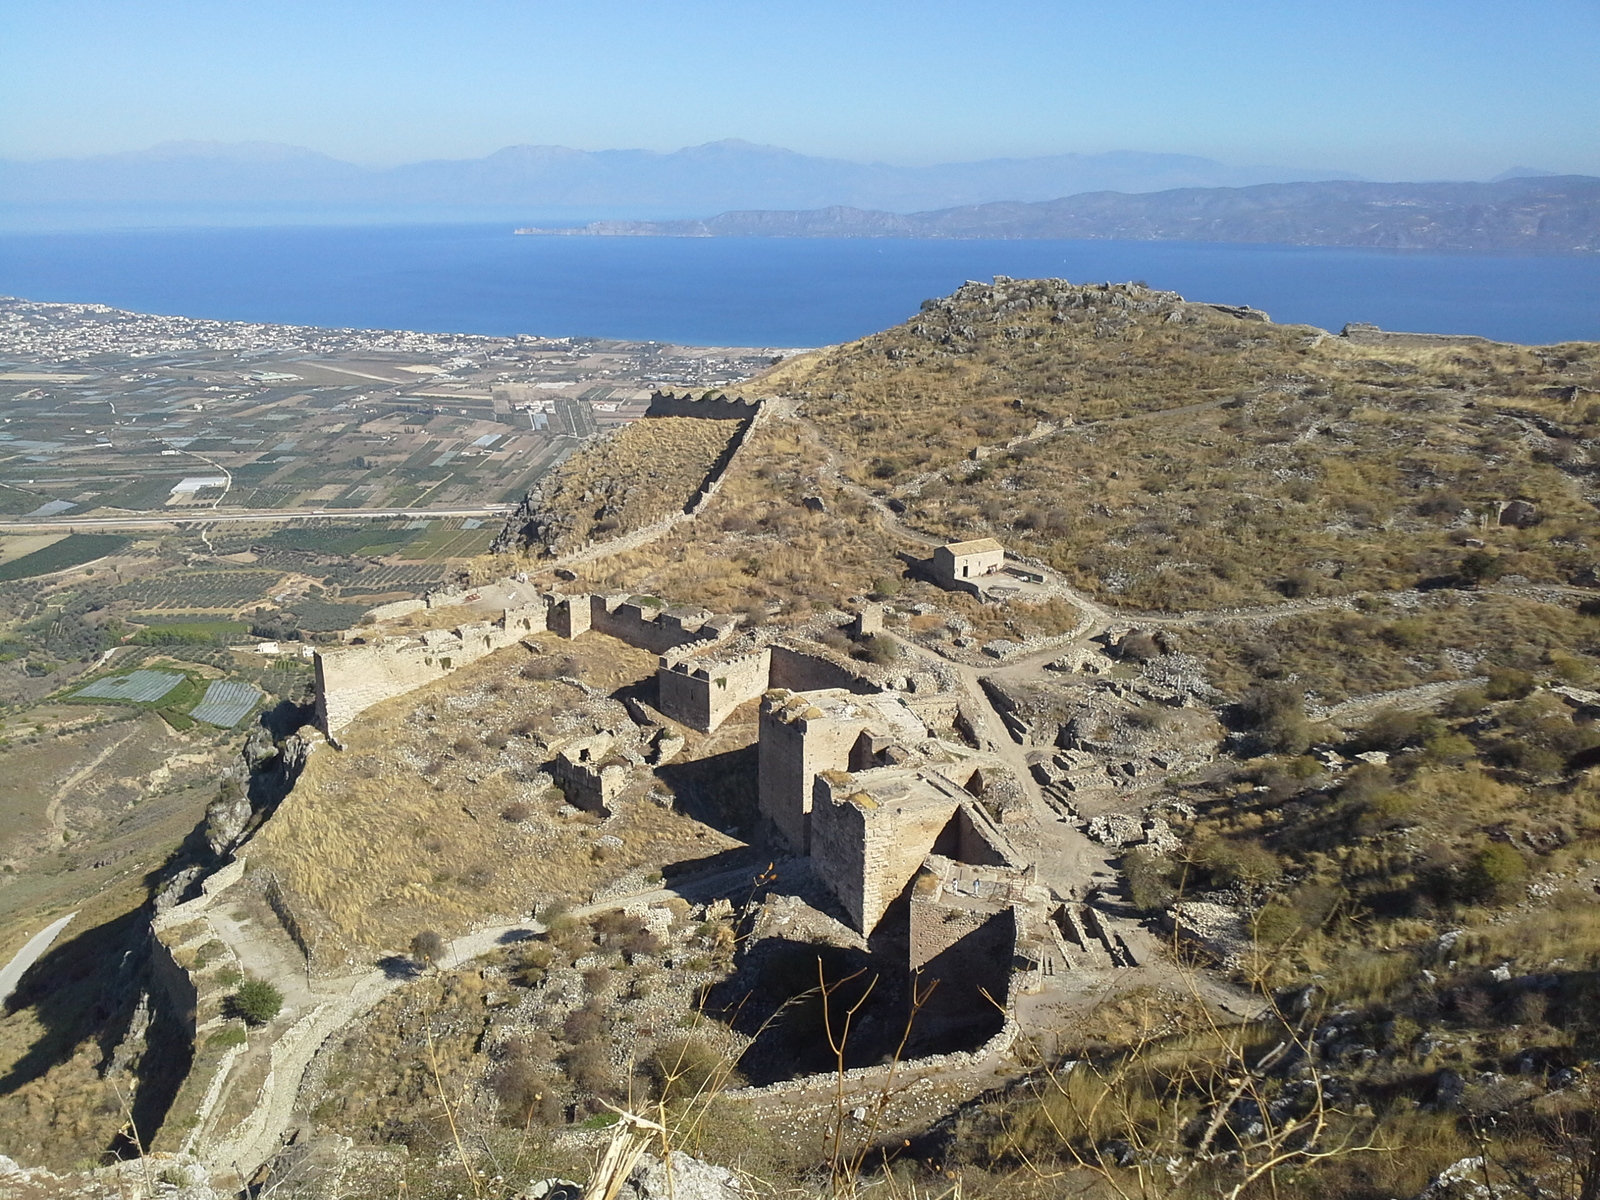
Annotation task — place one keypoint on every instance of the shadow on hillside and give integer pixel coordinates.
(776, 998)
(719, 791)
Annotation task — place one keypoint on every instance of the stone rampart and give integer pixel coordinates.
(1363, 334)
(666, 404)
(351, 679)
(802, 671)
(397, 608)
(658, 630)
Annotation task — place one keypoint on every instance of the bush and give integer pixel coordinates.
(1508, 683)
(1276, 712)
(1275, 924)
(516, 813)
(527, 1093)
(686, 1069)
(1492, 873)
(586, 1024)
(1481, 567)
(880, 649)
(1230, 863)
(1139, 646)
(427, 947)
(1151, 879)
(256, 1001)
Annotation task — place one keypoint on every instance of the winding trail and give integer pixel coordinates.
(1066, 858)
(328, 1006)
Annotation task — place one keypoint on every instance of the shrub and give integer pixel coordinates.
(1151, 879)
(530, 964)
(1508, 683)
(887, 586)
(527, 1093)
(584, 1024)
(687, 1068)
(1228, 863)
(1276, 712)
(1481, 567)
(1275, 924)
(1139, 646)
(1391, 730)
(257, 1001)
(589, 1067)
(427, 947)
(516, 813)
(1492, 873)
(880, 649)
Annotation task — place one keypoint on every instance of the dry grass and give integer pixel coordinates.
(758, 543)
(645, 471)
(402, 831)
(1349, 462)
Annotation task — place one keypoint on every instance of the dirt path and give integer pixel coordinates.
(52, 810)
(331, 1005)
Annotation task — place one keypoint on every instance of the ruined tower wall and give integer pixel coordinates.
(658, 631)
(868, 853)
(792, 751)
(964, 962)
(801, 672)
(702, 696)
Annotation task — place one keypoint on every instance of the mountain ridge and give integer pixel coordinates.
(1549, 214)
(688, 181)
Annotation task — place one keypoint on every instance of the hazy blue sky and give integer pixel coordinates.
(1392, 89)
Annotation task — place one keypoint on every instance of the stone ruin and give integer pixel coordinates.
(851, 777)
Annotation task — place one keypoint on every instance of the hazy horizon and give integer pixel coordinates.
(1419, 91)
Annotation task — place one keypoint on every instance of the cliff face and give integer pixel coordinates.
(1559, 215)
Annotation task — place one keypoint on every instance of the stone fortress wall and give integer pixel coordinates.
(351, 679)
(666, 404)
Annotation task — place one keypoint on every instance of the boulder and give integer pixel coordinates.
(682, 1177)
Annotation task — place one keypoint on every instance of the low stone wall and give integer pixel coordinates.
(658, 630)
(959, 1061)
(397, 608)
(1362, 334)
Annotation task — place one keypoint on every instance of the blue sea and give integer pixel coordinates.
(754, 291)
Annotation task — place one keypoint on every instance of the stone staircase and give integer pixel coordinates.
(1087, 940)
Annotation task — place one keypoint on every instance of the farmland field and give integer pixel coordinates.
(139, 687)
(13, 548)
(203, 590)
(321, 616)
(71, 551)
(226, 703)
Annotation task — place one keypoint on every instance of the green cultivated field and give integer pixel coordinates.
(71, 551)
(183, 590)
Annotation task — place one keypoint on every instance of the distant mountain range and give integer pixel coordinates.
(1524, 212)
(553, 179)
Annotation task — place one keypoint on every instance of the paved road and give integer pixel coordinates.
(12, 973)
(207, 517)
